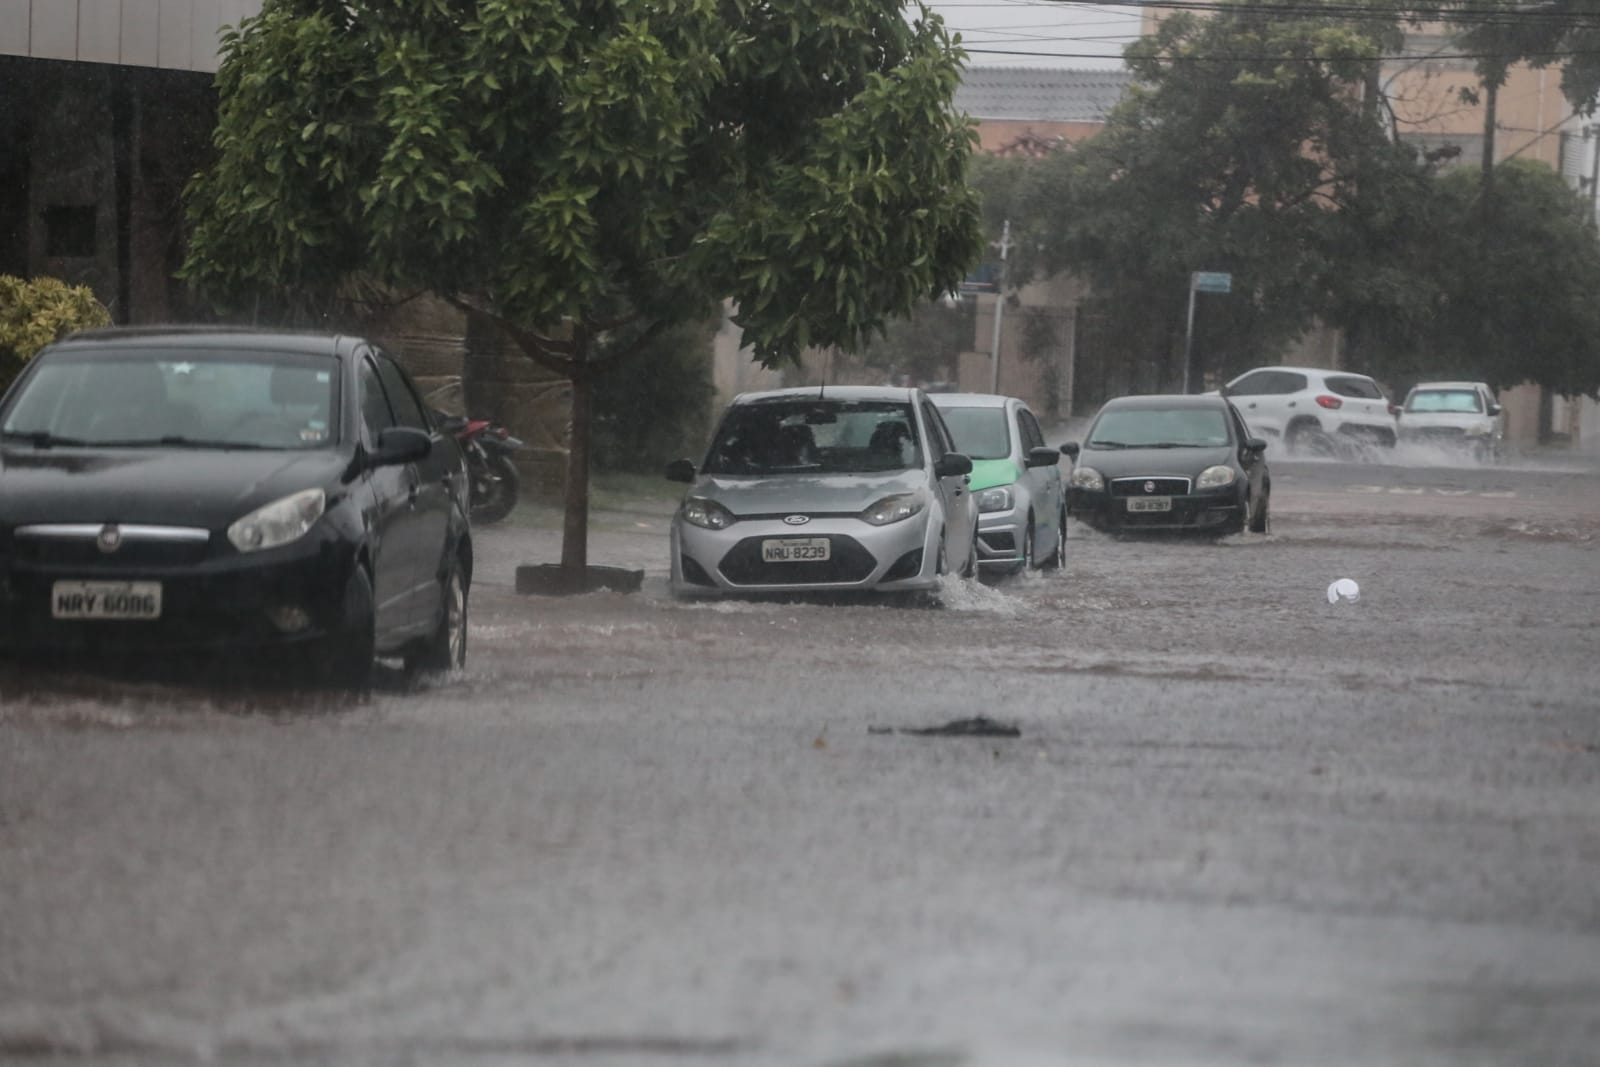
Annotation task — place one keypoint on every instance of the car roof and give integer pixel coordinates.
(1450, 385)
(830, 392)
(1325, 371)
(1163, 401)
(209, 336)
(971, 400)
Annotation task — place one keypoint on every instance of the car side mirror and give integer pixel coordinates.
(1043, 457)
(1494, 409)
(1255, 445)
(680, 470)
(952, 464)
(399, 445)
(1070, 450)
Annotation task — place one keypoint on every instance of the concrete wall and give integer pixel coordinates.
(172, 34)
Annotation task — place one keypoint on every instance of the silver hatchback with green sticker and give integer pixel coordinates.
(1016, 481)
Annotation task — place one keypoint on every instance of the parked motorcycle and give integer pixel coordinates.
(495, 482)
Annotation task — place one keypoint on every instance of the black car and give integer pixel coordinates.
(185, 489)
(1170, 462)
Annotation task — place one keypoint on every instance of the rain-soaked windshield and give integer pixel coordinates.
(980, 433)
(139, 399)
(815, 436)
(1160, 428)
(1462, 401)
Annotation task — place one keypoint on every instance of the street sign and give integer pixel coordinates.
(1211, 281)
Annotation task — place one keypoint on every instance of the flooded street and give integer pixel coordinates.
(1240, 824)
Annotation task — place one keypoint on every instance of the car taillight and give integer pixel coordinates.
(1332, 403)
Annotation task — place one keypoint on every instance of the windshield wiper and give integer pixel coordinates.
(41, 438)
(1109, 444)
(1174, 444)
(178, 441)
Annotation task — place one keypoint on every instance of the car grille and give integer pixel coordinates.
(1149, 487)
(1443, 433)
(85, 554)
(849, 562)
(1377, 434)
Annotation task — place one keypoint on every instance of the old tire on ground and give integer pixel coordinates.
(495, 490)
(446, 648)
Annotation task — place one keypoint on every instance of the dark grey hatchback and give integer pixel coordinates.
(1170, 462)
(181, 489)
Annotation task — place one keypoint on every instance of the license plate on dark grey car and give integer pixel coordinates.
(796, 549)
(1150, 503)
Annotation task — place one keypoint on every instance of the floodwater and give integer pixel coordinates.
(1239, 824)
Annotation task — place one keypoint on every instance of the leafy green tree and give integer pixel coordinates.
(590, 173)
(1518, 305)
(1245, 146)
(1542, 33)
(35, 312)
(657, 404)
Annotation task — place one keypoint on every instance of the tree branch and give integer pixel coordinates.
(548, 352)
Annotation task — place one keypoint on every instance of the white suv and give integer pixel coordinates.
(1305, 406)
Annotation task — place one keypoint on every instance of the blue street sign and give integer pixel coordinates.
(1211, 281)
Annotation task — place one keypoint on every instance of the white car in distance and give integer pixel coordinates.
(1308, 407)
(1456, 415)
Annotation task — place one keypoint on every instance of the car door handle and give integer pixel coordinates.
(1291, 403)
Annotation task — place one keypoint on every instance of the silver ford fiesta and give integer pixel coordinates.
(830, 488)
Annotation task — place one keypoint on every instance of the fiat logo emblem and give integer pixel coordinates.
(797, 520)
(110, 538)
(1149, 487)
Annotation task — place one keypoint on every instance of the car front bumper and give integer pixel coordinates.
(1205, 510)
(900, 556)
(280, 596)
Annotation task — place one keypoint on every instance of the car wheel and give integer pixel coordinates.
(344, 660)
(1260, 522)
(969, 569)
(1058, 558)
(941, 562)
(446, 648)
(1030, 558)
(494, 490)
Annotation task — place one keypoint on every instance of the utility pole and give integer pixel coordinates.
(999, 309)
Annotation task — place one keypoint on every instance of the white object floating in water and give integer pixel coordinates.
(1344, 589)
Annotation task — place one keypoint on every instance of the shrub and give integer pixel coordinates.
(35, 312)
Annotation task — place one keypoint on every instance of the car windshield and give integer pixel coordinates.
(1160, 428)
(980, 433)
(193, 399)
(1445, 400)
(815, 435)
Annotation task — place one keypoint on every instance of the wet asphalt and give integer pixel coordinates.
(1240, 825)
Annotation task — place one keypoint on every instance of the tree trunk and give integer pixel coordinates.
(1491, 102)
(575, 528)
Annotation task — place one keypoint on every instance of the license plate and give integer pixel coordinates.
(1150, 503)
(796, 550)
(106, 600)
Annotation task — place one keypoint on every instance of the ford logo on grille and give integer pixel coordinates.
(797, 520)
(110, 538)
(1149, 487)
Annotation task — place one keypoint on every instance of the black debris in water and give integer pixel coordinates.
(978, 727)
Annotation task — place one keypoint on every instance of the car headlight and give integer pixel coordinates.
(1086, 478)
(707, 514)
(997, 499)
(1215, 477)
(894, 508)
(279, 522)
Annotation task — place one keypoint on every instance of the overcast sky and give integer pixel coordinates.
(1069, 35)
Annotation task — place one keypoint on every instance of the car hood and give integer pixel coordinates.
(171, 487)
(1155, 462)
(1461, 420)
(988, 473)
(810, 494)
